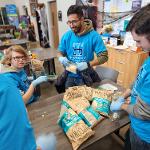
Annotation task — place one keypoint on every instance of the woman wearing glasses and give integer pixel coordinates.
(12, 66)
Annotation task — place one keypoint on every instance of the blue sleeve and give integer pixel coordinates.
(98, 44)
(145, 89)
(16, 132)
(63, 43)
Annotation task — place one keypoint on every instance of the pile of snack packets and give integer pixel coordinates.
(82, 108)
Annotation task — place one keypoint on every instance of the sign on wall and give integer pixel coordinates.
(12, 15)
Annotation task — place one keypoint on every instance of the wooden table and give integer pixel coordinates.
(47, 55)
(44, 114)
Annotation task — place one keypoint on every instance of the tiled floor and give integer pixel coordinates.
(109, 142)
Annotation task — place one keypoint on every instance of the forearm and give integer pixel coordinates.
(28, 94)
(101, 59)
(94, 62)
(127, 93)
(139, 110)
(60, 54)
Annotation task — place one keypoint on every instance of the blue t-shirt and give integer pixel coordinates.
(21, 81)
(81, 48)
(16, 132)
(141, 88)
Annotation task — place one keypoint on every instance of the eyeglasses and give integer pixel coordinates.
(17, 58)
(73, 22)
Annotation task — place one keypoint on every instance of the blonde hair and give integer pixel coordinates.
(8, 54)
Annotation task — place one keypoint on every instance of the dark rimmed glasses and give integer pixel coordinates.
(17, 58)
(73, 22)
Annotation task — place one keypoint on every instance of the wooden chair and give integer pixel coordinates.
(107, 73)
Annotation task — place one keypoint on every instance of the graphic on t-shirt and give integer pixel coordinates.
(78, 54)
(77, 49)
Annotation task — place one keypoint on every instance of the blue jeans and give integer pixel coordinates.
(73, 81)
(137, 143)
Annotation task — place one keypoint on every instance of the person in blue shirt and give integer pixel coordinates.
(12, 66)
(138, 106)
(16, 132)
(78, 46)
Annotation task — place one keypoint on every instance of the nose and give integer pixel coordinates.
(71, 25)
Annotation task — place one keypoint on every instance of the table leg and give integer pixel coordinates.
(50, 66)
(118, 134)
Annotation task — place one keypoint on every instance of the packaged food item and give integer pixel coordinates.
(72, 68)
(72, 93)
(101, 101)
(90, 117)
(76, 130)
(114, 116)
(64, 107)
(102, 93)
(78, 91)
(87, 92)
(37, 65)
(78, 104)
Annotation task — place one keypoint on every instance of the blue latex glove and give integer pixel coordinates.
(39, 80)
(64, 61)
(82, 66)
(116, 105)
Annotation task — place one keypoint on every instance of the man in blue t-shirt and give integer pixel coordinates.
(138, 106)
(78, 46)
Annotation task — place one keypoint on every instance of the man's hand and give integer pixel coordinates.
(39, 80)
(82, 66)
(116, 105)
(64, 61)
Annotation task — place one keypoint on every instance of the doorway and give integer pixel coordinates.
(53, 11)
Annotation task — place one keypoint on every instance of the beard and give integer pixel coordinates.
(76, 29)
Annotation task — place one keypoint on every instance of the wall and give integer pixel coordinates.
(4, 2)
(145, 2)
(63, 5)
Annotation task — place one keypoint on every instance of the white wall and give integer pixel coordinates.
(63, 5)
(4, 2)
(145, 2)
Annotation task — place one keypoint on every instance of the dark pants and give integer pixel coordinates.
(127, 141)
(133, 142)
(73, 81)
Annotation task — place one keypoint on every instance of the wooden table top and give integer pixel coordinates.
(44, 114)
(45, 53)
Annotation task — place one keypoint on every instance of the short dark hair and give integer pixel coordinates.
(74, 9)
(140, 22)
